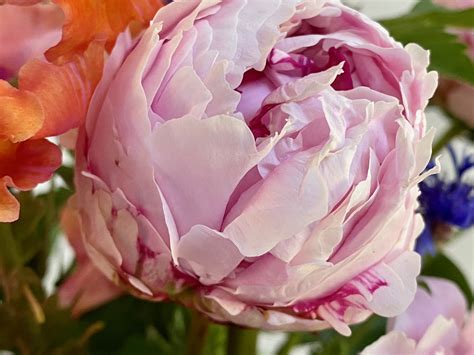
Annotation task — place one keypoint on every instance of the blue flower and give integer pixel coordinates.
(446, 203)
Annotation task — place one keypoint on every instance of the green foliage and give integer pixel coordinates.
(427, 25)
(217, 337)
(441, 266)
(330, 342)
(31, 322)
(362, 335)
(134, 326)
(67, 175)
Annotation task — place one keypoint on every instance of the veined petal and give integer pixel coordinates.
(64, 91)
(21, 115)
(90, 20)
(224, 141)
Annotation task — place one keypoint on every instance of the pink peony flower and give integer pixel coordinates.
(26, 32)
(85, 288)
(259, 161)
(435, 323)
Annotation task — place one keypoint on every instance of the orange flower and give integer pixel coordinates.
(52, 97)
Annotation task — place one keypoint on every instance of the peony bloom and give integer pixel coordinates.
(54, 88)
(259, 161)
(85, 288)
(435, 323)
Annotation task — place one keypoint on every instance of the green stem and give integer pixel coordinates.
(197, 334)
(242, 341)
(292, 340)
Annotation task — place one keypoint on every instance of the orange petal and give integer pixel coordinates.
(9, 206)
(63, 91)
(23, 166)
(89, 20)
(21, 115)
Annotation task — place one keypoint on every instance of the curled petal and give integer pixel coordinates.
(23, 166)
(89, 20)
(64, 91)
(21, 115)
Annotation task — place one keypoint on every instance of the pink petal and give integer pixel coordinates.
(198, 164)
(207, 254)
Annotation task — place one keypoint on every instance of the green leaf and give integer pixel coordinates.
(441, 266)
(33, 209)
(329, 342)
(427, 26)
(216, 340)
(128, 319)
(363, 335)
(424, 6)
(9, 257)
(38, 226)
(67, 174)
(140, 345)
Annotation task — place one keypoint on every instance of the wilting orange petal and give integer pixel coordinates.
(21, 115)
(63, 91)
(23, 166)
(89, 20)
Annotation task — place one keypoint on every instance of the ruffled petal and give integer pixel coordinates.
(21, 115)
(207, 254)
(281, 207)
(23, 166)
(394, 343)
(64, 91)
(444, 298)
(223, 145)
(90, 20)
